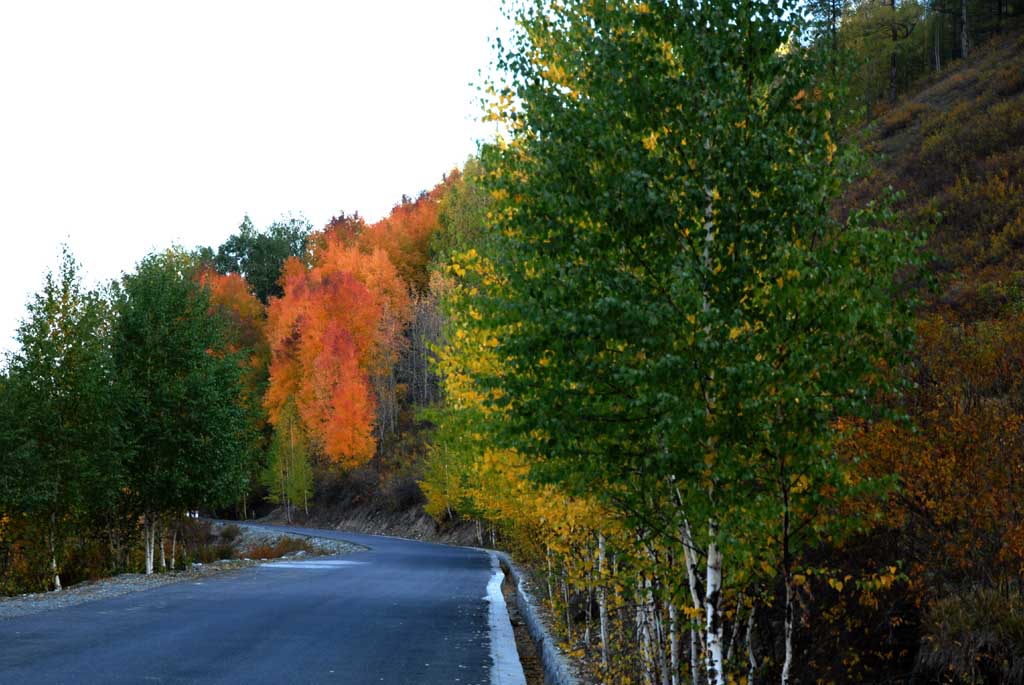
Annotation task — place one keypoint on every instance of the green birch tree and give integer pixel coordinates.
(690, 320)
(288, 475)
(63, 439)
(191, 439)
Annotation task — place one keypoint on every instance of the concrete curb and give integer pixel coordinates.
(556, 667)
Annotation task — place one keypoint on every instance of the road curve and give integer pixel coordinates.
(403, 612)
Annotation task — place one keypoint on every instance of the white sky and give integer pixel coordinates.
(130, 126)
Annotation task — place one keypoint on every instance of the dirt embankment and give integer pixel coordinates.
(372, 519)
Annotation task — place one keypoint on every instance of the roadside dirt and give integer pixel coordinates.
(412, 523)
(243, 542)
(528, 655)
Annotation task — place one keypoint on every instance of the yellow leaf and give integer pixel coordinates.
(735, 333)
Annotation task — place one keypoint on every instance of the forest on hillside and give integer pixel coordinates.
(723, 336)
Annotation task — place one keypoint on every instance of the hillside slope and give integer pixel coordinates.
(955, 149)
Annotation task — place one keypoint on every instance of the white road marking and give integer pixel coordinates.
(505, 668)
(311, 565)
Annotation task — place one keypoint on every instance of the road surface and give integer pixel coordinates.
(403, 612)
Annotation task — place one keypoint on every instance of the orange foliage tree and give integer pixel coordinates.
(338, 326)
(405, 233)
(231, 296)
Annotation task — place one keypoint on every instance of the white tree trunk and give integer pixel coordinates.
(56, 575)
(788, 632)
(734, 638)
(568, 609)
(692, 574)
(53, 553)
(659, 633)
(551, 590)
(174, 546)
(751, 660)
(644, 633)
(673, 640)
(694, 657)
(602, 601)
(148, 531)
(163, 549)
(713, 624)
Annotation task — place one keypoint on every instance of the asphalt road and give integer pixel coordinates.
(403, 612)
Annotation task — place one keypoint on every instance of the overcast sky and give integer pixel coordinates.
(130, 126)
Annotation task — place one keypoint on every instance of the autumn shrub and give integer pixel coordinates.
(1008, 81)
(201, 544)
(209, 553)
(976, 637)
(902, 117)
(276, 550)
(959, 81)
(985, 205)
(1010, 240)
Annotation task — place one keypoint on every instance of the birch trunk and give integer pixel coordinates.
(551, 590)
(565, 598)
(734, 638)
(752, 671)
(654, 618)
(53, 553)
(659, 633)
(713, 581)
(694, 658)
(602, 601)
(713, 625)
(788, 631)
(163, 549)
(174, 546)
(644, 631)
(673, 641)
(590, 616)
(692, 575)
(147, 535)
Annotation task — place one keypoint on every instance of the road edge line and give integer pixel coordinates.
(506, 668)
(556, 667)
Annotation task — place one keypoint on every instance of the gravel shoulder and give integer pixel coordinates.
(127, 583)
